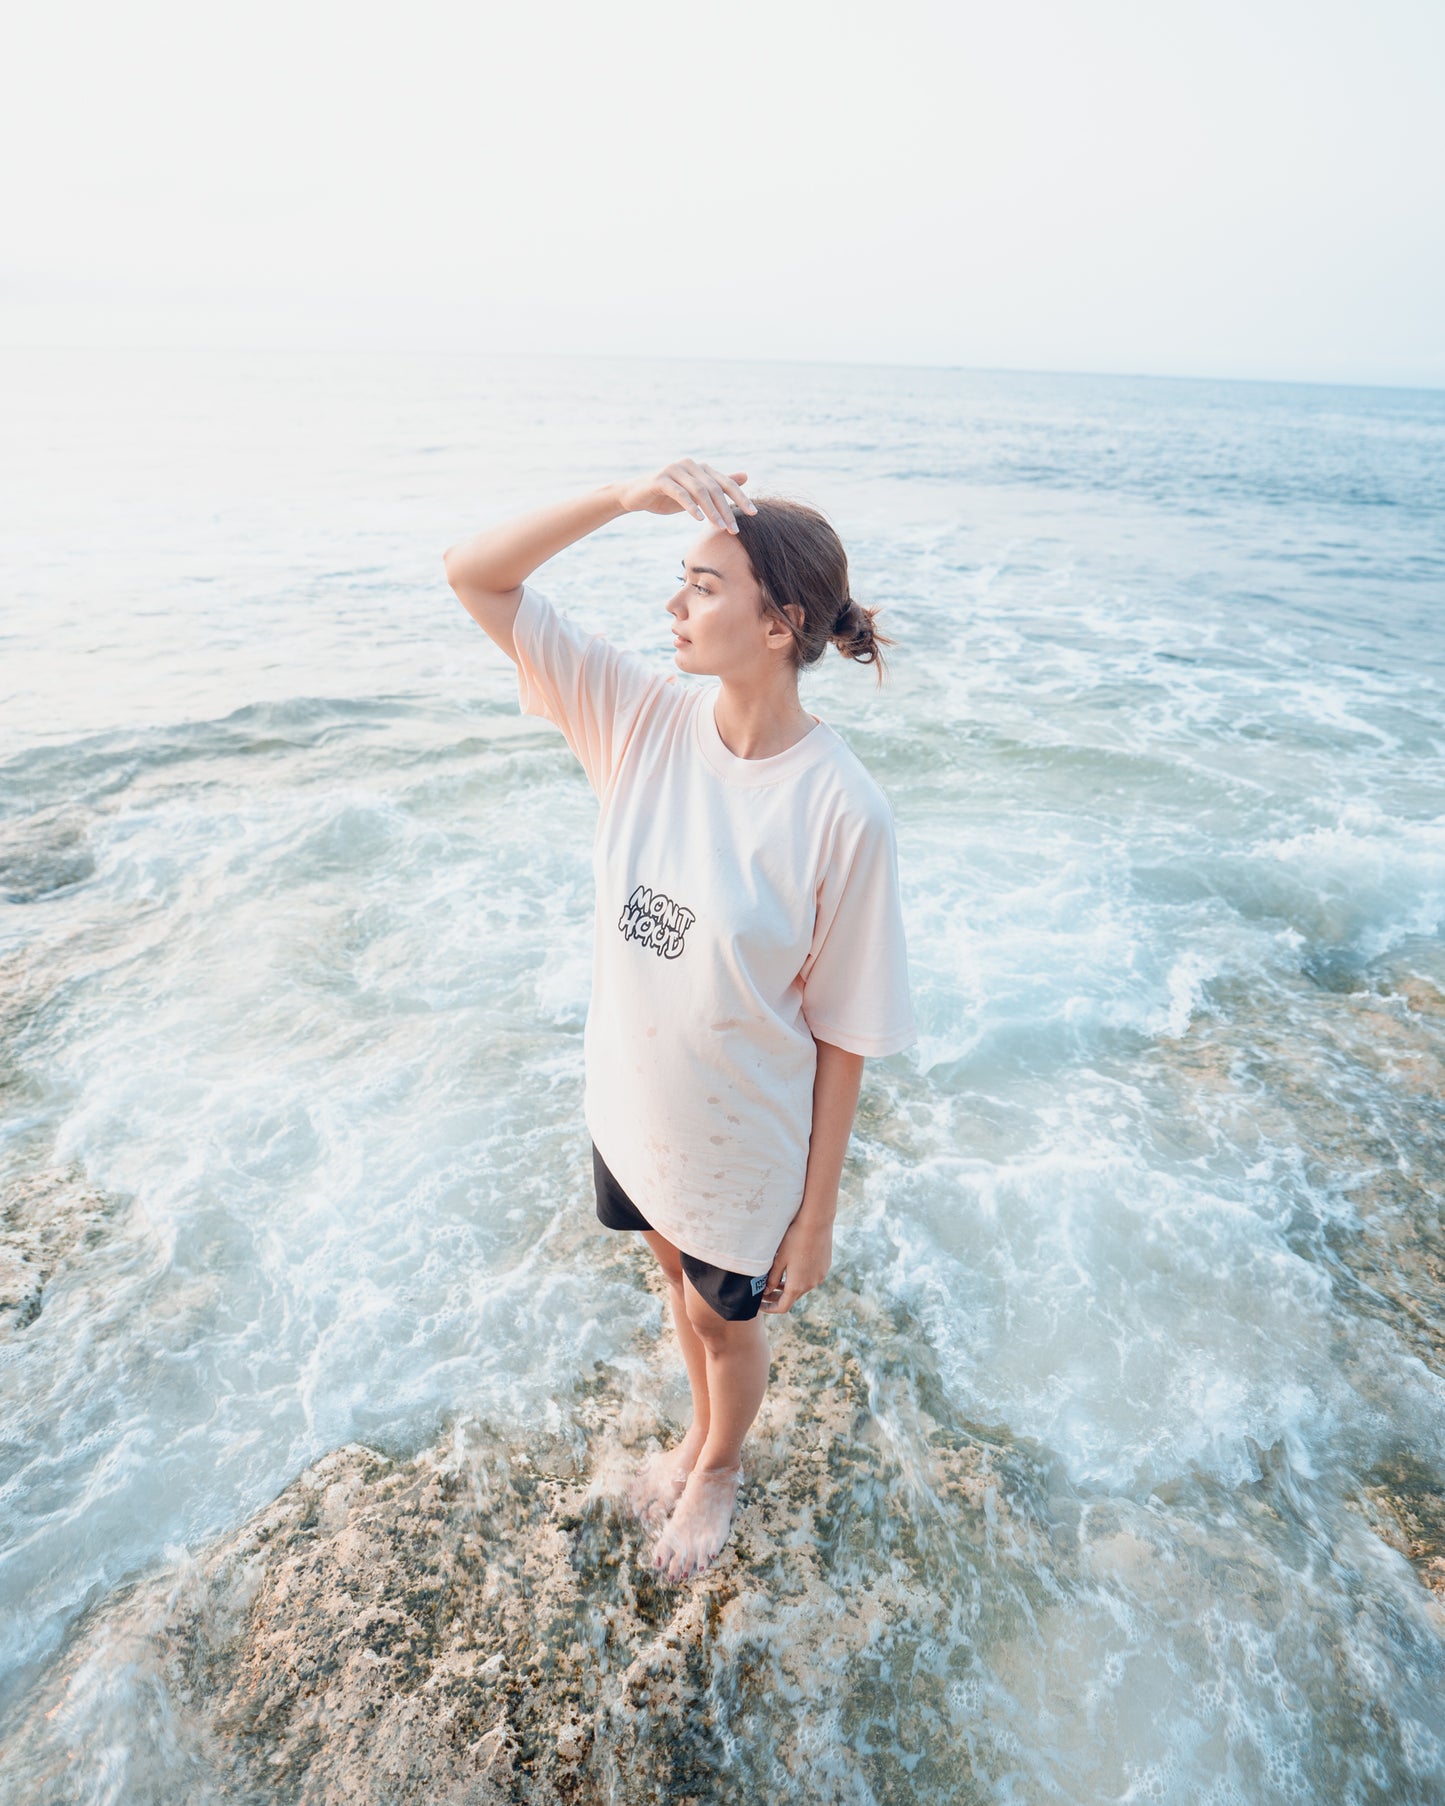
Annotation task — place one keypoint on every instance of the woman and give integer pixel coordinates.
(748, 947)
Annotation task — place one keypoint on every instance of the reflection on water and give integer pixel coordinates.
(1106, 1467)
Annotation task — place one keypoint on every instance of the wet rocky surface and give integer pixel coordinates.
(1361, 1099)
(46, 1218)
(478, 1623)
(50, 1214)
(44, 853)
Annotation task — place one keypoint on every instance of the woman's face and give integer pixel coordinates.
(719, 629)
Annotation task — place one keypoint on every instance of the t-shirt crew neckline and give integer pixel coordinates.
(727, 764)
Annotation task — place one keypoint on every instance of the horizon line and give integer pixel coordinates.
(1416, 387)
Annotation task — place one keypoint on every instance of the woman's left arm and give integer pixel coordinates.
(806, 1250)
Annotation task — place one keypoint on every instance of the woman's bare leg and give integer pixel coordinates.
(658, 1484)
(737, 1360)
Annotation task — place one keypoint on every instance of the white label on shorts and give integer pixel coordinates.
(758, 1283)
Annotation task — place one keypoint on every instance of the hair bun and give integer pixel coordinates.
(845, 615)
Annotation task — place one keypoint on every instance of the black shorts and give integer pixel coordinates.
(735, 1296)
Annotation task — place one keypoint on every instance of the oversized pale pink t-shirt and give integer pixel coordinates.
(745, 908)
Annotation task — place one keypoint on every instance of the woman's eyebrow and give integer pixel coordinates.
(700, 570)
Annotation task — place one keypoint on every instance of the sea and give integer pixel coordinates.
(295, 915)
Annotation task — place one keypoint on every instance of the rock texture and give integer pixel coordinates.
(45, 1218)
(1362, 1101)
(48, 1214)
(474, 1624)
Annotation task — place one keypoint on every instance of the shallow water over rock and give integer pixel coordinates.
(478, 1622)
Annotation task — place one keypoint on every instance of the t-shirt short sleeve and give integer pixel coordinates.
(855, 979)
(581, 682)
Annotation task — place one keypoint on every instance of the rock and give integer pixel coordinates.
(1404, 1503)
(572, 1742)
(44, 852)
(1359, 1095)
(1348, 1082)
(465, 1626)
(46, 1219)
(20, 1289)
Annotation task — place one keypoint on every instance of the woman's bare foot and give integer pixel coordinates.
(658, 1484)
(699, 1526)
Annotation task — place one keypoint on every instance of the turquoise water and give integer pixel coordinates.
(294, 945)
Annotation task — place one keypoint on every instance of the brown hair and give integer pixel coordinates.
(797, 557)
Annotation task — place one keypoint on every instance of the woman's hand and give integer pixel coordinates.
(688, 486)
(802, 1261)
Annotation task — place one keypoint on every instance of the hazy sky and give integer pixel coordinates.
(1243, 187)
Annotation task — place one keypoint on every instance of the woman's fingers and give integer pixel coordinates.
(722, 508)
(713, 494)
(782, 1292)
(679, 484)
(733, 486)
(779, 1300)
(696, 489)
(714, 503)
(677, 492)
(691, 487)
(726, 496)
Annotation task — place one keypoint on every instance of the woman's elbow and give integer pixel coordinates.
(454, 563)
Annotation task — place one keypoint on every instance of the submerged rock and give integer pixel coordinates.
(46, 1218)
(1361, 1099)
(44, 853)
(477, 1623)
(1348, 1086)
(1404, 1503)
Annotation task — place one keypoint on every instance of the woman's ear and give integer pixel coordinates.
(776, 635)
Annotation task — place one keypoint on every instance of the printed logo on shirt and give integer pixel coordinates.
(656, 921)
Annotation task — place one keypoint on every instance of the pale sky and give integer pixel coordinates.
(1249, 188)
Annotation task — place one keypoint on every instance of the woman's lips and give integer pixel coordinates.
(679, 638)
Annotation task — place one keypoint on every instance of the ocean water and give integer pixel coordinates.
(294, 943)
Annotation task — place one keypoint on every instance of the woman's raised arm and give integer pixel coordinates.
(488, 570)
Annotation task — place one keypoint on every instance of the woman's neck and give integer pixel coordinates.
(756, 724)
